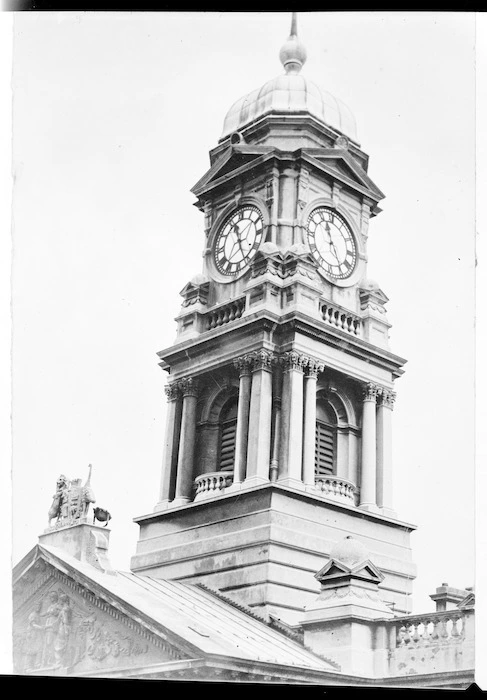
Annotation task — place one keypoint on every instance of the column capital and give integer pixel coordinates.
(243, 364)
(370, 392)
(188, 386)
(262, 359)
(387, 398)
(314, 367)
(172, 391)
(294, 360)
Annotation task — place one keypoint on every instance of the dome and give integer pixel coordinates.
(291, 93)
(349, 551)
(370, 285)
(199, 279)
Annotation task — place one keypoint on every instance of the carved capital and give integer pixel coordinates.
(244, 364)
(370, 392)
(294, 360)
(188, 386)
(172, 391)
(387, 398)
(262, 359)
(314, 367)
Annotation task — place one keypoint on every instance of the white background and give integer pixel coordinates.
(113, 118)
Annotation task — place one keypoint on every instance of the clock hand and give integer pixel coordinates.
(327, 229)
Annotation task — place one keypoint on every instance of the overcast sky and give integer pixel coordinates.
(114, 115)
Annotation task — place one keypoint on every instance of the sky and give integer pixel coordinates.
(113, 117)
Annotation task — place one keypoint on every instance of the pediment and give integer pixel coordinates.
(467, 602)
(343, 167)
(235, 158)
(61, 627)
(336, 569)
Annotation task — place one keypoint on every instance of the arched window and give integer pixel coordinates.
(326, 439)
(228, 429)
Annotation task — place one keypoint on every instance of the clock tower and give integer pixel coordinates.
(281, 381)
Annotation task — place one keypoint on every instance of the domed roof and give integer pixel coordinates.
(369, 284)
(349, 551)
(291, 93)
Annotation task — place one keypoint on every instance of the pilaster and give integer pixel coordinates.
(291, 449)
(384, 451)
(369, 467)
(313, 368)
(244, 366)
(259, 436)
(184, 478)
(171, 445)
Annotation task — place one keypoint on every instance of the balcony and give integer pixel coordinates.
(225, 314)
(212, 484)
(336, 488)
(440, 640)
(341, 318)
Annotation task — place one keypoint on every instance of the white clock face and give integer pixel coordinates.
(238, 240)
(332, 243)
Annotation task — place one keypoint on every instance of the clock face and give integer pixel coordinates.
(238, 240)
(332, 243)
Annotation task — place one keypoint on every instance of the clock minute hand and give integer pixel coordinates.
(332, 244)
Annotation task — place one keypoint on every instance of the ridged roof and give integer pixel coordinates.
(193, 614)
(291, 94)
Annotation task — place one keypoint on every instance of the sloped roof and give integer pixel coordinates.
(195, 615)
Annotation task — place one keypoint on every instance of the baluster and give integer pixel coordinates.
(454, 629)
(407, 633)
(401, 633)
(416, 635)
(443, 629)
(231, 315)
(434, 633)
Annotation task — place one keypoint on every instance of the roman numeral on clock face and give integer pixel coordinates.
(331, 242)
(238, 240)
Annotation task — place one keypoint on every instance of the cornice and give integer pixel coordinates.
(267, 321)
(363, 184)
(116, 607)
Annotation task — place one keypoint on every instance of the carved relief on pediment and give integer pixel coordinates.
(63, 631)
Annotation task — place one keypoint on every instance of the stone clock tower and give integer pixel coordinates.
(281, 380)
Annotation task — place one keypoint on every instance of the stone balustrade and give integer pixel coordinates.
(212, 484)
(225, 313)
(434, 628)
(443, 641)
(336, 488)
(340, 318)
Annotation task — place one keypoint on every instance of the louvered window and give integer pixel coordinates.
(228, 429)
(324, 449)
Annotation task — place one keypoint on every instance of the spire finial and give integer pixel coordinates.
(294, 24)
(293, 53)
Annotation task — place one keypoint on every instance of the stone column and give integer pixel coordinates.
(259, 439)
(170, 456)
(313, 367)
(276, 412)
(184, 479)
(291, 450)
(384, 451)
(368, 477)
(244, 366)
